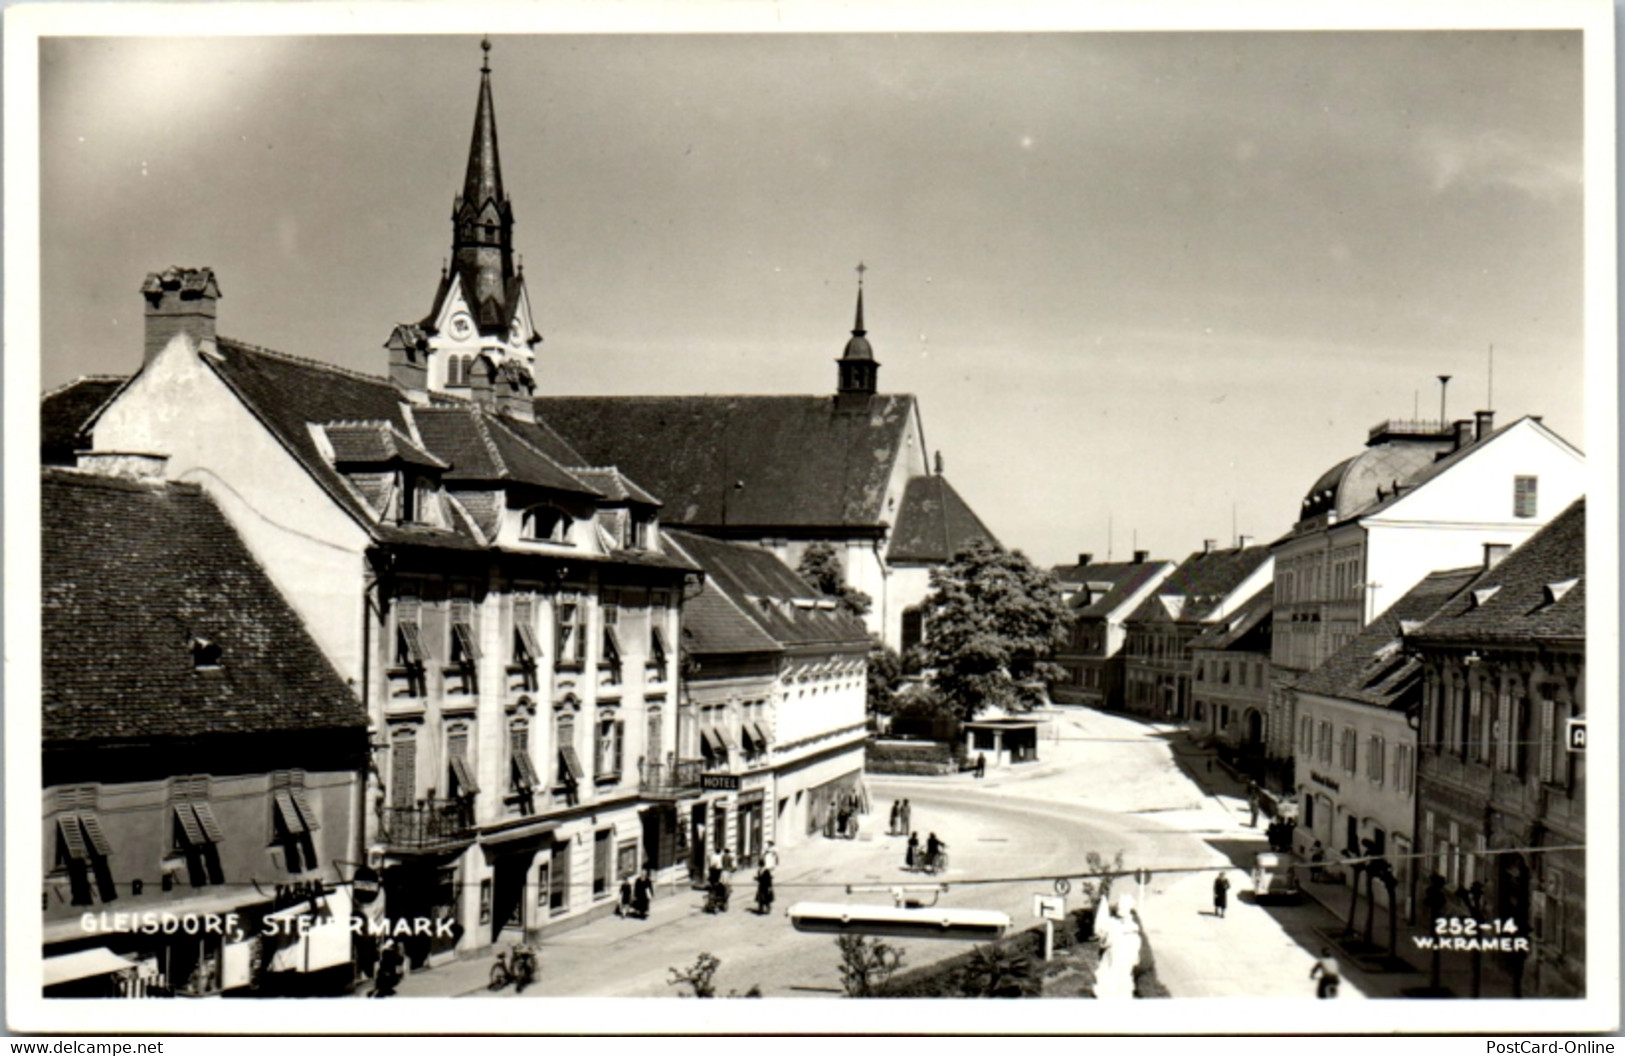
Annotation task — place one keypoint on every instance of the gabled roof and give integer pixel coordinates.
(1201, 583)
(65, 412)
(1433, 469)
(781, 604)
(791, 461)
(1121, 580)
(934, 523)
(375, 443)
(613, 485)
(1536, 593)
(1372, 668)
(132, 574)
(1254, 613)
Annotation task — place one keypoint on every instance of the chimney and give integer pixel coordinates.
(1464, 434)
(939, 469)
(1208, 545)
(1483, 425)
(1495, 553)
(1141, 556)
(1243, 542)
(1084, 559)
(514, 393)
(179, 300)
(482, 382)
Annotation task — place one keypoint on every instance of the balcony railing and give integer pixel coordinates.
(432, 823)
(1409, 427)
(668, 779)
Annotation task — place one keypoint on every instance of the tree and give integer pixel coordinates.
(866, 964)
(993, 620)
(700, 976)
(885, 673)
(821, 566)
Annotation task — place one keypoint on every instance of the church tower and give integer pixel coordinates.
(857, 364)
(478, 339)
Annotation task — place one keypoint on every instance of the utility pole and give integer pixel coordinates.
(1444, 420)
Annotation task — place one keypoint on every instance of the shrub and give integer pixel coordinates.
(700, 976)
(866, 964)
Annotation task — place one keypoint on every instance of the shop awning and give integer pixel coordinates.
(83, 965)
(534, 830)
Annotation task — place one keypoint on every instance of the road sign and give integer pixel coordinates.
(364, 887)
(1063, 886)
(1049, 907)
(1577, 735)
(719, 782)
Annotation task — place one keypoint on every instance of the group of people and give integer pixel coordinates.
(842, 820)
(636, 897)
(717, 889)
(928, 862)
(900, 816)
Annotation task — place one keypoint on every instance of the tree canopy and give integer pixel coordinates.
(821, 566)
(992, 620)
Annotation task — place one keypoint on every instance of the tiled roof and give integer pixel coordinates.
(1536, 593)
(792, 461)
(133, 572)
(713, 625)
(934, 523)
(1124, 579)
(1203, 580)
(373, 443)
(1239, 624)
(64, 412)
(1372, 668)
(612, 484)
(781, 604)
(482, 448)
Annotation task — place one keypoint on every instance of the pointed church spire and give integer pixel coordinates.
(482, 246)
(857, 364)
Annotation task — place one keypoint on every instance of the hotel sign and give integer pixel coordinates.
(719, 782)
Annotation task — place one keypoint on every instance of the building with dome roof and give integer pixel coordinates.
(1422, 496)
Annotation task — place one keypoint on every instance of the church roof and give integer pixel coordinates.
(782, 606)
(65, 411)
(766, 461)
(134, 575)
(933, 523)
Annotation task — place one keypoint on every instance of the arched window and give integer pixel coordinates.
(545, 524)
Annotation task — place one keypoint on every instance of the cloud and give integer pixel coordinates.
(1498, 158)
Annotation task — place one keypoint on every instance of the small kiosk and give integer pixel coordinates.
(1004, 741)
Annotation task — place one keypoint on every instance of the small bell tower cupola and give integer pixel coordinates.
(857, 364)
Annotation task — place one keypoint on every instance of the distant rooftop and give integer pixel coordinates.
(1409, 427)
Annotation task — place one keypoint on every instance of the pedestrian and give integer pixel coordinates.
(713, 873)
(389, 969)
(770, 858)
(623, 909)
(642, 894)
(1252, 822)
(911, 856)
(1326, 968)
(896, 813)
(1221, 894)
(981, 766)
(1317, 860)
(933, 848)
(907, 819)
(764, 892)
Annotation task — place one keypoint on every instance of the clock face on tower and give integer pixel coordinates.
(461, 326)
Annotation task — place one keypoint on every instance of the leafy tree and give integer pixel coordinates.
(821, 566)
(866, 964)
(994, 618)
(885, 673)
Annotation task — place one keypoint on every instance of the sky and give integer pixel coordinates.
(1146, 286)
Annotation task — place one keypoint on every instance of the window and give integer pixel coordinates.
(566, 632)
(653, 733)
(1524, 496)
(1350, 746)
(293, 822)
(637, 531)
(1306, 745)
(607, 759)
(417, 498)
(558, 872)
(1325, 741)
(465, 650)
(545, 524)
(195, 835)
(1376, 759)
(602, 850)
(82, 849)
(626, 860)
(407, 679)
(1404, 768)
(522, 779)
(460, 783)
(1549, 742)
(569, 771)
(657, 647)
(457, 372)
(403, 751)
(526, 651)
(609, 660)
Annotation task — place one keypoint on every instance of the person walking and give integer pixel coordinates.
(911, 856)
(1328, 972)
(764, 893)
(642, 894)
(896, 815)
(770, 858)
(907, 818)
(1221, 894)
(933, 850)
(1317, 862)
(981, 765)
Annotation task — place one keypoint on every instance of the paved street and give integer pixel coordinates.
(1108, 783)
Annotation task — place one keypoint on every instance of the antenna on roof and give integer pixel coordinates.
(1490, 401)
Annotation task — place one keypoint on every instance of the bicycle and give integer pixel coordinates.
(937, 864)
(515, 964)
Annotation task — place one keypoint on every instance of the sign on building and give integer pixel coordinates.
(719, 782)
(1577, 735)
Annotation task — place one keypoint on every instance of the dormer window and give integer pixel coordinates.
(416, 499)
(545, 524)
(637, 531)
(205, 654)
